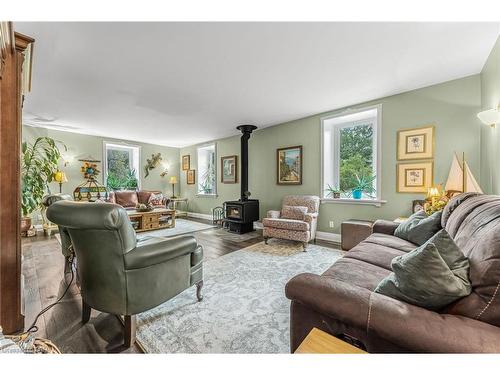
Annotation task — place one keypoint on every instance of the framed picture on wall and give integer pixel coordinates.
(190, 177)
(289, 165)
(229, 168)
(417, 143)
(185, 162)
(414, 177)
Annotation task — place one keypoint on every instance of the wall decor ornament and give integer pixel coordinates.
(416, 143)
(289, 165)
(190, 177)
(229, 168)
(414, 177)
(185, 162)
(90, 190)
(152, 163)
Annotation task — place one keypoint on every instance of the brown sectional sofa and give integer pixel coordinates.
(129, 199)
(341, 301)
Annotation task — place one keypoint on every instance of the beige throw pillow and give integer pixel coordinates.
(294, 212)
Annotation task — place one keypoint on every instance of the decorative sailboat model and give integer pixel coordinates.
(460, 178)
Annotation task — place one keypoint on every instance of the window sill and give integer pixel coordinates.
(206, 195)
(369, 202)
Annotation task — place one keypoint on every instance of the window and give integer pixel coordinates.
(207, 170)
(351, 156)
(121, 166)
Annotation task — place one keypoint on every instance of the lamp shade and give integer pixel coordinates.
(173, 179)
(489, 117)
(60, 176)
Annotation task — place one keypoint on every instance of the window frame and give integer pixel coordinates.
(198, 193)
(121, 145)
(377, 154)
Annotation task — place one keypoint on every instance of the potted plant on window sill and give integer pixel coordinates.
(333, 192)
(38, 164)
(364, 184)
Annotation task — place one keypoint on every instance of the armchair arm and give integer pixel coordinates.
(273, 214)
(311, 216)
(384, 227)
(158, 250)
(400, 323)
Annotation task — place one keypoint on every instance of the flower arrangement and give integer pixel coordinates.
(436, 200)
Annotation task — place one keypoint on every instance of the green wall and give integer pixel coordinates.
(490, 138)
(450, 106)
(79, 145)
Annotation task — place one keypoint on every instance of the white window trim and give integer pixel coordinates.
(105, 160)
(211, 195)
(378, 201)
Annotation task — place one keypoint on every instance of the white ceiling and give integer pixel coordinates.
(178, 84)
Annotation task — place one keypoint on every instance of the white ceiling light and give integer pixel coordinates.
(490, 117)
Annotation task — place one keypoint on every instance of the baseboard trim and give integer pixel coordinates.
(324, 236)
(200, 216)
(330, 237)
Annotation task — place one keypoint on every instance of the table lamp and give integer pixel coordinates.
(173, 181)
(60, 177)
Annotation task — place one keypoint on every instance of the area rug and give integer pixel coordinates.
(244, 309)
(182, 226)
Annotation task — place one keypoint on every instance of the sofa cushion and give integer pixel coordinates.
(144, 195)
(126, 198)
(378, 255)
(357, 272)
(475, 227)
(419, 227)
(431, 276)
(294, 212)
(289, 224)
(391, 241)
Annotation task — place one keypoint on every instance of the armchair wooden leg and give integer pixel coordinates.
(199, 294)
(266, 239)
(304, 245)
(129, 330)
(86, 310)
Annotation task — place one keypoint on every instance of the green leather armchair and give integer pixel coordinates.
(118, 274)
(66, 248)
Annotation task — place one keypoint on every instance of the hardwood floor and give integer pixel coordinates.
(44, 282)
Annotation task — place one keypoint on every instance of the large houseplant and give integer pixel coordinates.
(38, 164)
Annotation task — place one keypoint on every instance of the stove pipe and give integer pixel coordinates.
(246, 130)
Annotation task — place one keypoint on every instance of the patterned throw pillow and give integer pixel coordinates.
(156, 199)
(294, 212)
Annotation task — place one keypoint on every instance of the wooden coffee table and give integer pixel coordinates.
(159, 218)
(319, 342)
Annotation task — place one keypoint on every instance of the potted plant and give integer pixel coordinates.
(38, 164)
(333, 191)
(364, 184)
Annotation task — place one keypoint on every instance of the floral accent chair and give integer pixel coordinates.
(296, 221)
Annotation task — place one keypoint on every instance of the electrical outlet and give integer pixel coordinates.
(331, 224)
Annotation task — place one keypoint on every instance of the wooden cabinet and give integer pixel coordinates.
(15, 67)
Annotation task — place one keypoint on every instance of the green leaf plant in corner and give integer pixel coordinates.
(38, 163)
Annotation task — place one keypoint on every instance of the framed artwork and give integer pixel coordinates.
(185, 162)
(289, 165)
(416, 143)
(229, 168)
(414, 177)
(190, 177)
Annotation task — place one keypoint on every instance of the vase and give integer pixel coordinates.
(357, 193)
(25, 224)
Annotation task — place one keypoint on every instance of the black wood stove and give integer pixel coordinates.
(240, 214)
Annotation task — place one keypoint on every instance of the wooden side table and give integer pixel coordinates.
(173, 205)
(319, 342)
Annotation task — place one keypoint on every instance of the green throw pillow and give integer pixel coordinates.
(431, 276)
(419, 227)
